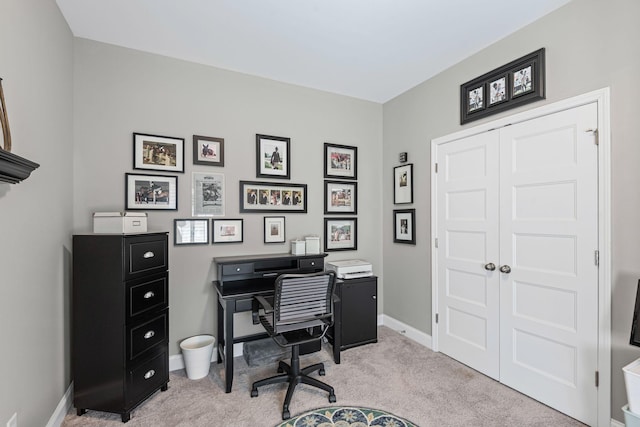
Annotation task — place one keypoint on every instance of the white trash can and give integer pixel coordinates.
(196, 352)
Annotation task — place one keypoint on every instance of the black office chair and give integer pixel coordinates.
(300, 312)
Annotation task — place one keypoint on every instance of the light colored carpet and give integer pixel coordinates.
(395, 375)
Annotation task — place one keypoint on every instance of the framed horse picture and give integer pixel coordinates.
(151, 192)
(208, 151)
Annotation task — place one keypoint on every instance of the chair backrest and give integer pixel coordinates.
(303, 300)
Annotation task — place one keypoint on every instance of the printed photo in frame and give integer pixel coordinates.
(341, 234)
(340, 197)
(207, 194)
(274, 231)
(273, 157)
(227, 231)
(272, 197)
(190, 232)
(151, 192)
(158, 153)
(403, 184)
(340, 161)
(208, 151)
(404, 229)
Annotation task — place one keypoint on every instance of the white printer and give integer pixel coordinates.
(350, 269)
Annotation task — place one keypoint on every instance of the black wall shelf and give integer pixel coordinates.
(13, 168)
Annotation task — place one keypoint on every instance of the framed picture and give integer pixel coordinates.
(272, 197)
(274, 229)
(151, 192)
(340, 197)
(158, 153)
(190, 231)
(340, 234)
(514, 84)
(227, 231)
(208, 151)
(272, 157)
(340, 161)
(207, 194)
(403, 184)
(404, 230)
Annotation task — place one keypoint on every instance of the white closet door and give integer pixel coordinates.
(549, 238)
(468, 294)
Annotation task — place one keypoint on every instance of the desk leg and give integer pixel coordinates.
(220, 331)
(337, 330)
(228, 344)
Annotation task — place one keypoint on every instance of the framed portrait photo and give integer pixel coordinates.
(340, 161)
(190, 232)
(340, 234)
(475, 99)
(340, 197)
(274, 229)
(498, 90)
(227, 231)
(158, 153)
(271, 197)
(404, 230)
(273, 157)
(207, 194)
(151, 192)
(208, 151)
(403, 184)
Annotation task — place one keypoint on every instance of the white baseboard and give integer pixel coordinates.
(615, 423)
(409, 331)
(63, 407)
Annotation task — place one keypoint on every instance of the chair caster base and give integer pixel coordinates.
(332, 398)
(286, 415)
(321, 372)
(254, 392)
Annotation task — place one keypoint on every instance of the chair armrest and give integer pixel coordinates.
(265, 305)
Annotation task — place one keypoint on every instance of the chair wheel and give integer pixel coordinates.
(254, 392)
(321, 372)
(332, 398)
(286, 415)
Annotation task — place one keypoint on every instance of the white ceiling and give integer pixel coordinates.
(368, 49)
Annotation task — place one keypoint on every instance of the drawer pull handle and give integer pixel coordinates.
(238, 269)
(148, 295)
(149, 334)
(148, 255)
(149, 374)
(313, 263)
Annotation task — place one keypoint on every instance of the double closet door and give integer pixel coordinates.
(517, 274)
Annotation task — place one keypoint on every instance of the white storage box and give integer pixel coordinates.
(120, 222)
(632, 384)
(312, 245)
(297, 247)
(630, 419)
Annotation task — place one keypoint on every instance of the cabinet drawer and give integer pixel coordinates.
(147, 377)
(147, 294)
(312, 263)
(232, 269)
(147, 335)
(146, 255)
(244, 304)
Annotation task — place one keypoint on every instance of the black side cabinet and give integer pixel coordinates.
(120, 320)
(359, 311)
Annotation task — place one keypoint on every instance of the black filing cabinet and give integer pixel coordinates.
(359, 311)
(120, 320)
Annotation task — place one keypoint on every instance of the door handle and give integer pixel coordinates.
(490, 267)
(505, 269)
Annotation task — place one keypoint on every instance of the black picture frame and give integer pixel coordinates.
(273, 157)
(517, 83)
(403, 184)
(340, 161)
(227, 230)
(158, 153)
(272, 197)
(150, 192)
(404, 226)
(340, 234)
(190, 231)
(274, 229)
(340, 197)
(208, 150)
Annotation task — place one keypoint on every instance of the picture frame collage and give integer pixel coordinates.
(404, 220)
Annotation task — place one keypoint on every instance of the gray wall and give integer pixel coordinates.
(36, 215)
(119, 91)
(590, 44)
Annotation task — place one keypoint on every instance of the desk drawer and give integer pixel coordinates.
(147, 294)
(312, 263)
(234, 269)
(244, 304)
(148, 334)
(147, 377)
(146, 255)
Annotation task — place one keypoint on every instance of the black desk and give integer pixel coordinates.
(240, 278)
